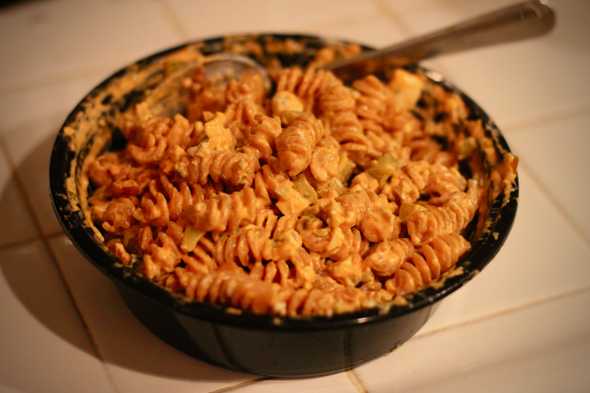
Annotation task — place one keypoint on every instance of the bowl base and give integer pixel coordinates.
(317, 352)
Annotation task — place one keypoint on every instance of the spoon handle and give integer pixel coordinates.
(513, 23)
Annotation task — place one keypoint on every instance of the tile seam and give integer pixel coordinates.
(506, 311)
(555, 202)
(172, 19)
(527, 125)
(19, 243)
(356, 381)
(384, 9)
(239, 385)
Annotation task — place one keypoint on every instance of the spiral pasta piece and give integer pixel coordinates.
(249, 244)
(221, 212)
(298, 271)
(261, 136)
(229, 288)
(406, 185)
(306, 85)
(273, 271)
(427, 222)
(373, 103)
(295, 145)
(336, 243)
(244, 246)
(161, 256)
(178, 197)
(385, 258)
(233, 168)
(428, 263)
(201, 258)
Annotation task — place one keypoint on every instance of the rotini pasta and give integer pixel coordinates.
(221, 212)
(316, 199)
(297, 142)
(426, 222)
(427, 263)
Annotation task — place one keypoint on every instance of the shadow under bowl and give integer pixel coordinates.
(265, 345)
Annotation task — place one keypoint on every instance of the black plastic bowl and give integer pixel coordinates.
(281, 347)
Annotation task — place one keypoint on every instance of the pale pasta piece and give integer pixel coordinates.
(285, 101)
(407, 88)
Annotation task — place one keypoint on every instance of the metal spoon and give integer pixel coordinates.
(513, 23)
(517, 22)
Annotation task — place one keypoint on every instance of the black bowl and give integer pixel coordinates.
(271, 346)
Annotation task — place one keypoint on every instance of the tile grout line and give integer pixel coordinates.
(19, 243)
(506, 311)
(172, 18)
(356, 380)
(59, 78)
(45, 242)
(555, 202)
(233, 388)
(552, 117)
(384, 9)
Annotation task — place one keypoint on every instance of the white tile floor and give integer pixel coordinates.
(521, 325)
(45, 346)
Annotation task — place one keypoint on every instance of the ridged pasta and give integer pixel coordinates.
(426, 222)
(273, 271)
(385, 258)
(427, 264)
(223, 212)
(232, 168)
(262, 135)
(336, 243)
(372, 106)
(249, 244)
(296, 144)
(337, 105)
(229, 288)
(306, 85)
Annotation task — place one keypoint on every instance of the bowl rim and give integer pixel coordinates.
(481, 253)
